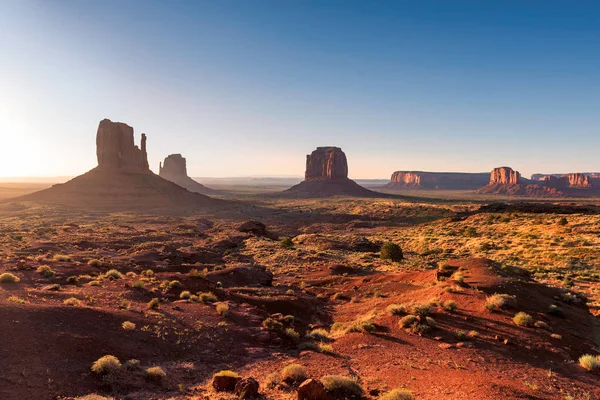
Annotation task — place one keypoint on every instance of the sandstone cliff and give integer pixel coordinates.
(116, 150)
(504, 176)
(174, 169)
(326, 164)
(407, 180)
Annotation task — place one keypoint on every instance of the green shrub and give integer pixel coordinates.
(95, 263)
(450, 306)
(138, 284)
(398, 309)
(286, 243)
(195, 273)
(338, 385)
(72, 301)
(207, 297)
(7, 277)
(326, 348)
(292, 334)
(174, 284)
(106, 365)
(461, 335)
(293, 374)
(272, 324)
(318, 335)
(185, 295)
(72, 280)
(391, 251)
(407, 321)
(62, 258)
(523, 319)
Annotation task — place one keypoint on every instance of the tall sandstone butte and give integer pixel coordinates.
(504, 176)
(326, 164)
(174, 169)
(116, 150)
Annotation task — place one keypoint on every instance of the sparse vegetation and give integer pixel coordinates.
(523, 319)
(450, 306)
(46, 271)
(497, 302)
(154, 303)
(398, 394)
(391, 251)
(114, 274)
(293, 374)
(589, 362)
(222, 308)
(106, 365)
(128, 326)
(72, 301)
(7, 277)
(342, 386)
(155, 374)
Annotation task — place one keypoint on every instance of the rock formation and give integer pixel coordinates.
(326, 164)
(174, 169)
(122, 180)
(116, 150)
(407, 180)
(504, 176)
(578, 180)
(327, 175)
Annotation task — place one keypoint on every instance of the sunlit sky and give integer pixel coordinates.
(245, 88)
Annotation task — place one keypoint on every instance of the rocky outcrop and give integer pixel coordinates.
(122, 181)
(408, 180)
(504, 176)
(326, 175)
(326, 164)
(116, 150)
(174, 169)
(578, 180)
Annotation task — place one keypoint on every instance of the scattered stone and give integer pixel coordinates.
(247, 388)
(311, 389)
(224, 383)
(445, 345)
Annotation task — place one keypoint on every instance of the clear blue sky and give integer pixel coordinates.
(250, 87)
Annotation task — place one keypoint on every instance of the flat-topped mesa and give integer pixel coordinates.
(326, 164)
(116, 150)
(173, 167)
(407, 180)
(505, 176)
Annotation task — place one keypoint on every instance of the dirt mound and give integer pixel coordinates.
(343, 187)
(102, 189)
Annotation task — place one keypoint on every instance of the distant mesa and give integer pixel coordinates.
(327, 175)
(416, 180)
(174, 169)
(122, 180)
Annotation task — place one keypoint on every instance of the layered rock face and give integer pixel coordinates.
(174, 169)
(578, 180)
(116, 150)
(326, 164)
(504, 176)
(406, 180)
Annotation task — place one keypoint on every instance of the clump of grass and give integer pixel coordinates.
(148, 272)
(72, 301)
(228, 373)
(473, 334)
(94, 396)
(326, 348)
(318, 335)
(499, 301)
(154, 303)
(196, 273)
(589, 362)
(523, 319)
(7, 277)
(155, 374)
(272, 324)
(407, 321)
(222, 308)
(286, 243)
(128, 326)
(138, 284)
(185, 295)
(46, 271)
(94, 283)
(293, 374)
(461, 335)
(342, 386)
(114, 274)
(449, 305)
(174, 284)
(431, 322)
(391, 251)
(290, 292)
(421, 309)
(94, 263)
(72, 280)
(15, 299)
(292, 335)
(207, 297)
(132, 364)
(398, 394)
(272, 380)
(106, 365)
(62, 258)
